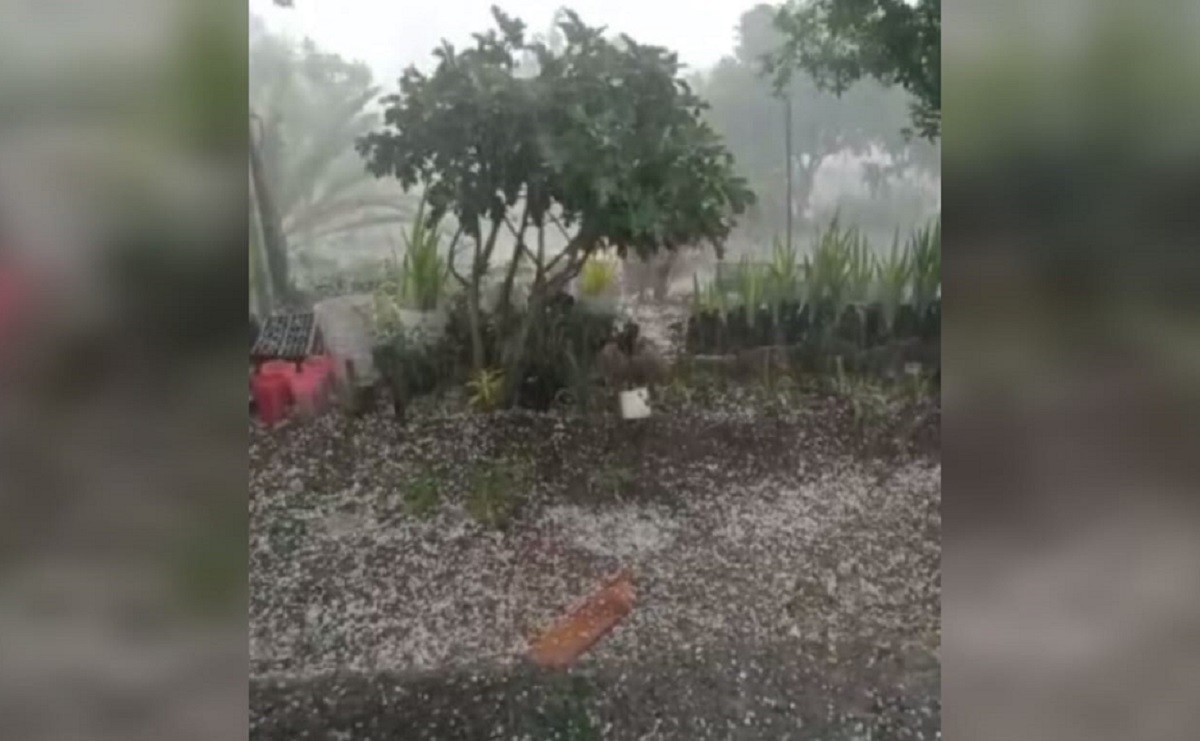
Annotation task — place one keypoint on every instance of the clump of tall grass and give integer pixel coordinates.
(708, 297)
(841, 270)
(415, 282)
(894, 279)
(925, 246)
(424, 271)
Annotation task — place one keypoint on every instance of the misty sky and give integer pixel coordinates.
(389, 34)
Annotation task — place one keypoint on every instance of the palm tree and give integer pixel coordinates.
(312, 106)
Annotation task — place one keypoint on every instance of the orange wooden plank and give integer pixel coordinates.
(585, 624)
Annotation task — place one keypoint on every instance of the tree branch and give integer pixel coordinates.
(450, 257)
(511, 275)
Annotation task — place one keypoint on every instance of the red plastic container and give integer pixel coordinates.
(285, 368)
(308, 391)
(272, 395)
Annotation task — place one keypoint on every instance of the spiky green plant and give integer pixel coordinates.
(709, 297)
(424, 270)
(387, 300)
(751, 287)
(895, 275)
(925, 244)
(826, 270)
(860, 267)
(486, 389)
(598, 276)
(841, 268)
(785, 277)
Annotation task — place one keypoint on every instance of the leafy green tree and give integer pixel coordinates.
(604, 142)
(838, 42)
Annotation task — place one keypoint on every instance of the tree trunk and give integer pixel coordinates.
(479, 266)
(787, 147)
(274, 240)
(662, 274)
(473, 318)
(802, 191)
(260, 280)
(510, 277)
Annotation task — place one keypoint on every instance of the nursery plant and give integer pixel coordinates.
(598, 276)
(707, 298)
(486, 388)
(424, 271)
(894, 280)
(785, 280)
(925, 245)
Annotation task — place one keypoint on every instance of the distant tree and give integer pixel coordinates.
(749, 111)
(310, 107)
(838, 42)
(314, 105)
(605, 141)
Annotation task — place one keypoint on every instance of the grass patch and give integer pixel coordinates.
(495, 496)
(614, 480)
(422, 496)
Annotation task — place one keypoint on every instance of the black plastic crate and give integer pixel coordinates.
(287, 337)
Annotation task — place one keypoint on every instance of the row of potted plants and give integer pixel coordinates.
(842, 288)
(793, 322)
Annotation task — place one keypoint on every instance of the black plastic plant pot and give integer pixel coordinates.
(787, 319)
(851, 325)
(876, 327)
(691, 335)
(764, 327)
(737, 329)
(539, 389)
(708, 331)
(907, 324)
(931, 321)
(799, 324)
(824, 318)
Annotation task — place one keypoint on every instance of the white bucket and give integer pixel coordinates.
(635, 404)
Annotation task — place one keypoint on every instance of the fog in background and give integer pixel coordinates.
(850, 157)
